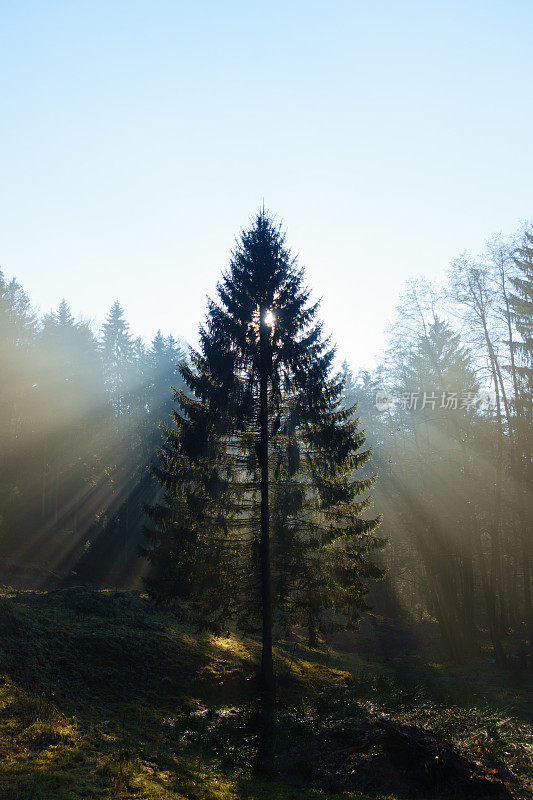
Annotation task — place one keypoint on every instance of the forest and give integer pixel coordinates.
(243, 568)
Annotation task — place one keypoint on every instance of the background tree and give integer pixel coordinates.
(521, 304)
(75, 450)
(78, 426)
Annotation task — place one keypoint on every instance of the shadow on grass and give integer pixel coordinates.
(106, 696)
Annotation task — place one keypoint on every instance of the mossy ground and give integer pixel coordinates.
(102, 695)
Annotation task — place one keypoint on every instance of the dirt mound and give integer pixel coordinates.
(381, 756)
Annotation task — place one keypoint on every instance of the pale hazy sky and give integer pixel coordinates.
(138, 137)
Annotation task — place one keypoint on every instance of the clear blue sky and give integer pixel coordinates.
(138, 137)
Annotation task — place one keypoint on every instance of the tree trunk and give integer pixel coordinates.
(312, 637)
(496, 555)
(490, 605)
(267, 666)
(43, 494)
(528, 604)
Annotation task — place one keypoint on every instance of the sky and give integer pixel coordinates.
(138, 138)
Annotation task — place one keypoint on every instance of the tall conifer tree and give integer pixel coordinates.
(263, 395)
(521, 302)
(118, 357)
(522, 312)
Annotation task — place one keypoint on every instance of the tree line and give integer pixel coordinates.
(258, 507)
(79, 414)
(451, 437)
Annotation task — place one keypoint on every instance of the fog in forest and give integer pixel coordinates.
(266, 400)
(446, 413)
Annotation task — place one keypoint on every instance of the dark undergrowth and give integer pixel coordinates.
(103, 695)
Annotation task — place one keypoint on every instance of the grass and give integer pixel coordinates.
(104, 696)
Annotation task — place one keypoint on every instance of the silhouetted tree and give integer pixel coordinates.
(262, 388)
(521, 301)
(118, 356)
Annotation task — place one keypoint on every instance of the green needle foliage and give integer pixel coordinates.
(260, 521)
(521, 301)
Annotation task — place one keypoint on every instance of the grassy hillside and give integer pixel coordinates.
(104, 696)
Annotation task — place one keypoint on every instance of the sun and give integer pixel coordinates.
(270, 319)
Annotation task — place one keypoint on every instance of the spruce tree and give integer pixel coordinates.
(163, 357)
(118, 357)
(71, 365)
(263, 425)
(521, 302)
